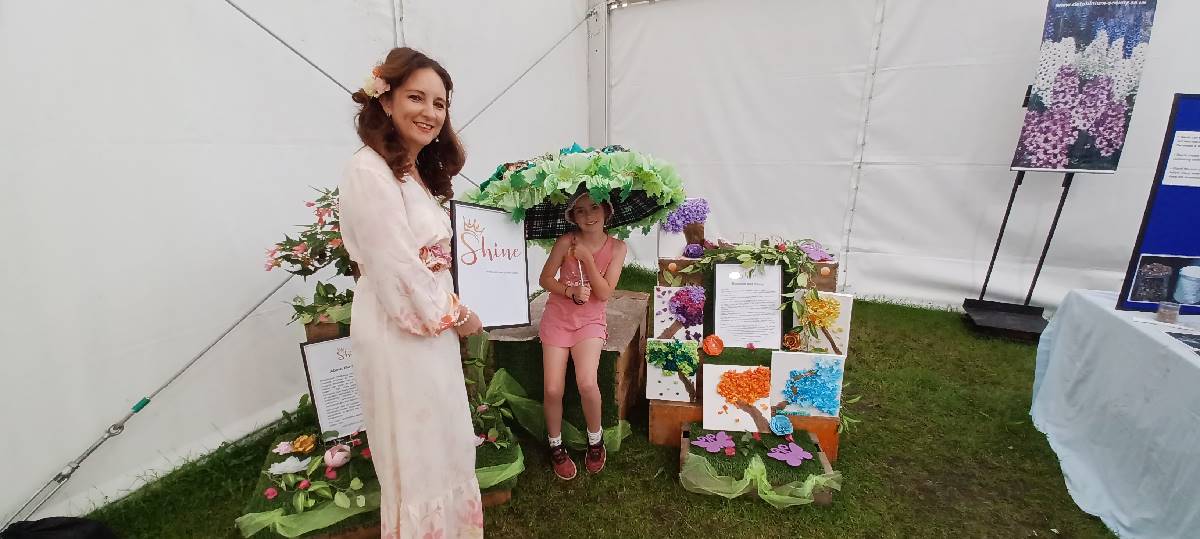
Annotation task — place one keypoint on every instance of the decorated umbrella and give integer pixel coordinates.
(640, 189)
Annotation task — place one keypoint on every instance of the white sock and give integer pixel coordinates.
(555, 441)
(595, 437)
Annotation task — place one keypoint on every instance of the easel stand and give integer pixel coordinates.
(1016, 321)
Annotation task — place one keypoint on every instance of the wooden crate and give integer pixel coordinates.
(496, 497)
(664, 266)
(666, 416)
(826, 277)
(821, 495)
(824, 431)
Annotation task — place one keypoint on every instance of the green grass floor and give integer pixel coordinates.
(945, 449)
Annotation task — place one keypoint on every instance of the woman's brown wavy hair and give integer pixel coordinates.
(436, 163)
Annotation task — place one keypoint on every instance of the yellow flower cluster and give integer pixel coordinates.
(821, 312)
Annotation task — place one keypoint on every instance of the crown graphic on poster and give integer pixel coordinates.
(472, 225)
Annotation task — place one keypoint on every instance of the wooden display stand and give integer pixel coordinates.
(824, 431)
(821, 495)
(496, 497)
(825, 279)
(666, 416)
(664, 266)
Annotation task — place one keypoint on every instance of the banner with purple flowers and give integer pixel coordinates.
(1087, 80)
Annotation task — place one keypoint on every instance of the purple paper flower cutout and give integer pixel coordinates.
(715, 443)
(791, 453)
(815, 251)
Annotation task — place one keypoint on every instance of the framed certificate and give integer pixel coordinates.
(333, 388)
(491, 264)
(747, 305)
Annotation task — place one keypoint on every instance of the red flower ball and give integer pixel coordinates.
(270, 493)
(366, 453)
(749, 346)
(782, 247)
(330, 473)
(304, 485)
(355, 442)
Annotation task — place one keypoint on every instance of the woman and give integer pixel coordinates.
(407, 320)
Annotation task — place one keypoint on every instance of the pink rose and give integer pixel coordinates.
(304, 485)
(481, 408)
(270, 493)
(330, 473)
(300, 249)
(337, 456)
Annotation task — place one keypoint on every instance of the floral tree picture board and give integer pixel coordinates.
(671, 368)
(1082, 97)
(736, 398)
(829, 314)
(679, 312)
(806, 384)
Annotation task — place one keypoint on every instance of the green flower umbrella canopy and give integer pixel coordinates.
(641, 190)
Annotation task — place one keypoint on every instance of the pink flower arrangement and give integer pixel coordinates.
(317, 245)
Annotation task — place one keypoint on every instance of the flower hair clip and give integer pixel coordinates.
(375, 86)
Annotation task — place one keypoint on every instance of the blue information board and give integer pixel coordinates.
(1165, 265)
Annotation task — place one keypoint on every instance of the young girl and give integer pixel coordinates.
(588, 263)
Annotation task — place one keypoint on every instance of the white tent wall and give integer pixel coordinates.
(152, 150)
(758, 104)
(761, 105)
(944, 122)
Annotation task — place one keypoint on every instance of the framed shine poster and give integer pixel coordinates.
(491, 264)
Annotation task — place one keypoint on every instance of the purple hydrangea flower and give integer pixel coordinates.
(693, 210)
(693, 250)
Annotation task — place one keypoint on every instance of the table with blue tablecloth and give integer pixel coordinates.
(1119, 401)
